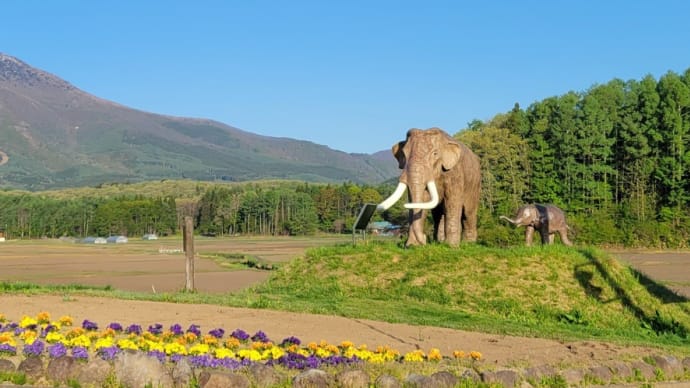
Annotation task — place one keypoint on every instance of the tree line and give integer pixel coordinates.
(615, 157)
(219, 210)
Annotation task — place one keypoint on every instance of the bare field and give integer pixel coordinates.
(146, 266)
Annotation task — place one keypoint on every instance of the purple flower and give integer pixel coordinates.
(108, 353)
(80, 353)
(290, 341)
(260, 336)
(176, 357)
(156, 328)
(133, 329)
(176, 329)
(298, 361)
(35, 349)
(240, 335)
(115, 326)
(88, 325)
(158, 355)
(57, 350)
(194, 329)
(8, 349)
(218, 333)
(46, 330)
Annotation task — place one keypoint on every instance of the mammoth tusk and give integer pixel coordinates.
(431, 186)
(508, 219)
(390, 201)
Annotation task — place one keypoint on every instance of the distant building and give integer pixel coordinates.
(150, 236)
(117, 239)
(384, 228)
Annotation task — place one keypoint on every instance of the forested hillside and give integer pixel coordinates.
(615, 157)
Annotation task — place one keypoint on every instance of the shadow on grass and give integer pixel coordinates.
(655, 321)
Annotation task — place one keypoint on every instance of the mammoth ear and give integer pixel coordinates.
(450, 155)
(399, 154)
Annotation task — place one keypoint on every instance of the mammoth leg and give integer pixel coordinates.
(529, 234)
(469, 224)
(551, 238)
(439, 221)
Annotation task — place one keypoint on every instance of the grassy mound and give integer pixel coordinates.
(553, 291)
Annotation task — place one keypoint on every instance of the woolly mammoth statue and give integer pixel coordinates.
(441, 175)
(546, 219)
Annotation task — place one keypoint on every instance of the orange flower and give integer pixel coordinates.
(43, 317)
(476, 355)
(459, 354)
(434, 355)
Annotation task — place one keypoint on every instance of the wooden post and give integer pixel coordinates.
(188, 246)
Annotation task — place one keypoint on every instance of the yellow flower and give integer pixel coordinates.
(321, 352)
(155, 346)
(43, 317)
(377, 358)
(199, 349)
(414, 356)
(104, 342)
(273, 353)
(224, 353)
(252, 355)
(81, 340)
(476, 355)
(28, 336)
(27, 321)
(2, 318)
(54, 337)
(66, 320)
(175, 348)
(127, 344)
(434, 355)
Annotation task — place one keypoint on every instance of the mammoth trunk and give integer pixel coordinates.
(509, 220)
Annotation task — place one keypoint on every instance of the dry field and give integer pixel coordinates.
(146, 266)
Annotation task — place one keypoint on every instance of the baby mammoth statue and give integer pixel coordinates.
(546, 219)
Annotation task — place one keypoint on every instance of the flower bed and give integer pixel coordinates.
(42, 336)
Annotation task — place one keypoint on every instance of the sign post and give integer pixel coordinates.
(363, 220)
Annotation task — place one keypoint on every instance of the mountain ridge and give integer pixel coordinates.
(53, 134)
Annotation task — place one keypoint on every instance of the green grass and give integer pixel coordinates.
(553, 292)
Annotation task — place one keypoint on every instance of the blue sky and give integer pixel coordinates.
(352, 75)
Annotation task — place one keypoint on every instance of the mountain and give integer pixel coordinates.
(55, 135)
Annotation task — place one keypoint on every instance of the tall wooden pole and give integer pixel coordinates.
(188, 246)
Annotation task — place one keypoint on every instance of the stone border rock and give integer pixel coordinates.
(135, 369)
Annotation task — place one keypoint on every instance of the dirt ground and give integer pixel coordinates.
(155, 266)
